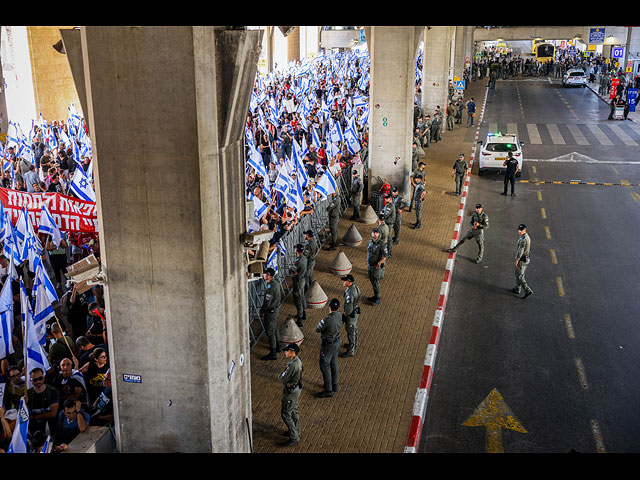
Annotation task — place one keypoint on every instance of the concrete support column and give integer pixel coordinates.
(393, 53)
(167, 106)
(437, 57)
(293, 44)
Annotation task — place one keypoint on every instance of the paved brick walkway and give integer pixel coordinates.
(372, 411)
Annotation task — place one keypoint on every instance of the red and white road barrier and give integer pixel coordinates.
(422, 395)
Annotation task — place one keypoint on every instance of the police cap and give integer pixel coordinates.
(334, 304)
(309, 233)
(293, 347)
(478, 205)
(348, 278)
(270, 271)
(522, 226)
(300, 248)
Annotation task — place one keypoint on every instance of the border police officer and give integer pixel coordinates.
(479, 223)
(269, 312)
(329, 329)
(356, 195)
(389, 212)
(522, 261)
(299, 271)
(460, 167)
(291, 378)
(311, 250)
(334, 216)
(418, 199)
(376, 256)
(352, 296)
(399, 204)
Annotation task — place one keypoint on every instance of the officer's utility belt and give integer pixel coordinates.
(524, 258)
(292, 388)
(331, 340)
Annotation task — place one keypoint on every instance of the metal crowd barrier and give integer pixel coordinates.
(318, 223)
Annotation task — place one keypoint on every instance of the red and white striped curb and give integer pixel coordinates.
(422, 395)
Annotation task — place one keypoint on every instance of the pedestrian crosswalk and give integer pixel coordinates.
(612, 133)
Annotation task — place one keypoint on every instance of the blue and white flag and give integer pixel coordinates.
(35, 355)
(64, 138)
(41, 276)
(315, 139)
(282, 181)
(42, 311)
(81, 186)
(48, 225)
(31, 247)
(272, 261)
(20, 431)
(6, 333)
(297, 161)
(326, 185)
(335, 134)
(255, 160)
(351, 140)
(260, 208)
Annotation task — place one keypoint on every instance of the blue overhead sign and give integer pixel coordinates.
(459, 84)
(617, 52)
(596, 35)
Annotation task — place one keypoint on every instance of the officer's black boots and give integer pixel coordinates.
(270, 356)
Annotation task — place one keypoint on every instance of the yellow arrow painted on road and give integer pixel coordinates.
(494, 414)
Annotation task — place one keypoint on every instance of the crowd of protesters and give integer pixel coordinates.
(75, 392)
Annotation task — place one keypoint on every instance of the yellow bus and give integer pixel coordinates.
(545, 52)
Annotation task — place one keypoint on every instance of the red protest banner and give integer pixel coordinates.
(70, 214)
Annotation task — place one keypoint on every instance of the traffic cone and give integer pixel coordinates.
(370, 217)
(341, 264)
(315, 297)
(290, 332)
(352, 238)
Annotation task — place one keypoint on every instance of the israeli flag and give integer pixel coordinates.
(315, 139)
(20, 431)
(13, 139)
(272, 261)
(10, 240)
(255, 160)
(25, 304)
(297, 161)
(351, 140)
(64, 138)
(360, 101)
(35, 356)
(48, 225)
(41, 276)
(6, 332)
(42, 311)
(80, 185)
(77, 155)
(259, 208)
(52, 141)
(282, 182)
(326, 185)
(31, 247)
(335, 135)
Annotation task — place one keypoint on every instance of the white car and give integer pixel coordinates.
(494, 151)
(574, 77)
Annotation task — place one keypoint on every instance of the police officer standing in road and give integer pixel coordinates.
(510, 173)
(269, 313)
(522, 261)
(356, 195)
(334, 216)
(389, 213)
(311, 250)
(291, 378)
(352, 296)
(460, 167)
(376, 256)
(299, 271)
(329, 329)
(399, 204)
(418, 199)
(479, 223)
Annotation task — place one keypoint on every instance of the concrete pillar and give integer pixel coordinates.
(437, 56)
(393, 53)
(166, 106)
(293, 44)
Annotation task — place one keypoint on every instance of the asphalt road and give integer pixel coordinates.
(556, 372)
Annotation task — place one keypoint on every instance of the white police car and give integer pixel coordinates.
(575, 77)
(494, 150)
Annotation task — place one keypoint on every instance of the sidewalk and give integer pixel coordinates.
(633, 116)
(373, 410)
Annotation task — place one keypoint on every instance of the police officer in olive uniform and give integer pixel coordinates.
(419, 172)
(356, 195)
(329, 329)
(333, 209)
(510, 173)
(418, 199)
(460, 168)
(269, 313)
(310, 251)
(479, 223)
(352, 296)
(389, 213)
(385, 231)
(522, 261)
(399, 204)
(299, 272)
(291, 378)
(376, 256)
